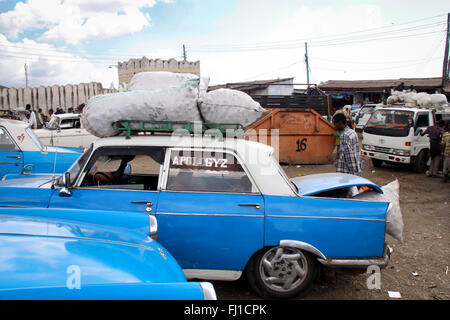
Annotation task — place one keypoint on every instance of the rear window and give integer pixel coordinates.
(200, 171)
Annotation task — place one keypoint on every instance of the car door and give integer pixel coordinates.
(118, 179)
(11, 157)
(210, 213)
(422, 123)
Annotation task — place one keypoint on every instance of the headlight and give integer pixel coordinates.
(368, 148)
(399, 152)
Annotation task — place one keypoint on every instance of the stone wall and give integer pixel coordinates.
(65, 97)
(129, 68)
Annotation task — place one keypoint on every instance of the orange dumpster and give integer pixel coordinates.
(305, 137)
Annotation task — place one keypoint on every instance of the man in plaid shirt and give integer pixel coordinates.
(348, 149)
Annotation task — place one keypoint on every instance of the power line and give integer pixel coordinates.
(329, 38)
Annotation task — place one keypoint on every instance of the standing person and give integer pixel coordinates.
(42, 117)
(348, 160)
(80, 108)
(32, 117)
(446, 150)
(435, 135)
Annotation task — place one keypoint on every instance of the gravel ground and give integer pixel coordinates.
(425, 251)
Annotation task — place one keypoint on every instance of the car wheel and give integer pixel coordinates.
(420, 163)
(377, 163)
(281, 273)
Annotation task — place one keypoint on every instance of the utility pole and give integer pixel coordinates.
(26, 75)
(307, 63)
(446, 68)
(184, 53)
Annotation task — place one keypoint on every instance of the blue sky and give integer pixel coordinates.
(75, 41)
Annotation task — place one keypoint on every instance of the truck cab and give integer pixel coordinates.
(392, 135)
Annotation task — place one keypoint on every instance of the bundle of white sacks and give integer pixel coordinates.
(166, 96)
(421, 99)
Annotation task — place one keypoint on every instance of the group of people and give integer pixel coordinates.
(348, 160)
(38, 119)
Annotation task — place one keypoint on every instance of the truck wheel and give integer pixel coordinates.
(420, 163)
(281, 273)
(377, 163)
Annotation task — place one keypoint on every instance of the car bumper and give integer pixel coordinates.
(386, 157)
(359, 263)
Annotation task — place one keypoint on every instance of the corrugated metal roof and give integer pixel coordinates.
(418, 83)
(258, 84)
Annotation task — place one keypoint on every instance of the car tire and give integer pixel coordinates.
(377, 163)
(281, 272)
(420, 163)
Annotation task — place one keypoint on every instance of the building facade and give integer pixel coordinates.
(129, 68)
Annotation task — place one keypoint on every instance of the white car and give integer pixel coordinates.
(65, 130)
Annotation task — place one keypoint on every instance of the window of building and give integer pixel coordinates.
(200, 171)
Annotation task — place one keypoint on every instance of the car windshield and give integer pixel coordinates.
(34, 138)
(393, 123)
(53, 123)
(78, 165)
(367, 110)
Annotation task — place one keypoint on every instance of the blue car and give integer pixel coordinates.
(48, 258)
(223, 206)
(22, 153)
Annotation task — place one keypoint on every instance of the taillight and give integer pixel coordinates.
(408, 144)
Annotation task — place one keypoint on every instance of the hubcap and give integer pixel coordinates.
(283, 269)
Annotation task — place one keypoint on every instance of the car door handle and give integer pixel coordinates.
(14, 157)
(256, 205)
(148, 203)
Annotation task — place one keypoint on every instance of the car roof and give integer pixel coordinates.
(236, 145)
(67, 115)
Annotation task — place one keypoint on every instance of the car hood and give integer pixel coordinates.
(63, 150)
(317, 183)
(32, 181)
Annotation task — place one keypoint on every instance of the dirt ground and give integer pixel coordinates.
(426, 249)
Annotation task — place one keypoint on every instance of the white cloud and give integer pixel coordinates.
(48, 65)
(72, 21)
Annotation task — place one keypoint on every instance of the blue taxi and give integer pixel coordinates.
(223, 206)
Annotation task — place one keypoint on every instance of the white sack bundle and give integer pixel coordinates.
(424, 101)
(166, 80)
(392, 99)
(394, 219)
(160, 80)
(438, 99)
(409, 97)
(176, 104)
(230, 106)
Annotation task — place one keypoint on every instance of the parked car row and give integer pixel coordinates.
(223, 207)
(22, 152)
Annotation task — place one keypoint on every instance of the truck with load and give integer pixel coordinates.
(393, 134)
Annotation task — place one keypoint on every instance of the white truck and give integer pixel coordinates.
(392, 135)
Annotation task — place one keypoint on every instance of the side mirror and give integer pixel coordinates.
(127, 170)
(66, 191)
(27, 169)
